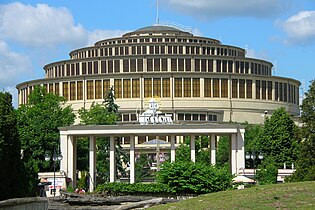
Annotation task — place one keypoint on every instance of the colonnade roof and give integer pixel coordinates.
(158, 129)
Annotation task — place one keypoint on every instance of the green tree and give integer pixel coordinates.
(305, 170)
(10, 147)
(38, 123)
(278, 138)
(102, 114)
(223, 151)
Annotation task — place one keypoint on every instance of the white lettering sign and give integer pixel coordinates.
(153, 116)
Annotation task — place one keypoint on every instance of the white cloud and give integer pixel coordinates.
(13, 66)
(300, 28)
(39, 34)
(39, 26)
(229, 8)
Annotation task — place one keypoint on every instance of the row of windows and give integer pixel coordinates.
(157, 65)
(180, 117)
(182, 87)
(158, 50)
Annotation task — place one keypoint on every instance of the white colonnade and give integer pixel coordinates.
(68, 144)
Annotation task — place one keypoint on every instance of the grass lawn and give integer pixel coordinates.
(299, 195)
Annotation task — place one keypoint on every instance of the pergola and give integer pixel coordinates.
(68, 144)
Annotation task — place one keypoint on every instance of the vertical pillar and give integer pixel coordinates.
(132, 159)
(172, 148)
(233, 154)
(213, 149)
(192, 148)
(112, 164)
(240, 149)
(92, 163)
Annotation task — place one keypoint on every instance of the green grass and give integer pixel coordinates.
(299, 195)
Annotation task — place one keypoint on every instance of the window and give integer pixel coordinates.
(149, 65)
(125, 65)
(196, 87)
(166, 87)
(127, 88)
(79, 90)
(72, 91)
(156, 64)
(187, 87)
(203, 65)
(234, 88)
(207, 87)
(83, 68)
(285, 92)
(241, 88)
(173, 65)
(178, 87)
(135, 88)
(249, 89)
(147, 87)
(276, 91)
(210, 65)
(188, 64)
(197, 65)
(117, 66)
(110, 66)
(216, 88)
(180, 64)
(257, 89)
(90, 89)
(218, 65)
(118, 88)
(181, 116)
(98, 89)
(164, 64)
(89, 67)
(106, 86)
(224, 88)
(202, 117)
(263, 90)
(132, 65)
(140, 65)
(103, 67)
(95, 67)
(269, 90)
(156, 87)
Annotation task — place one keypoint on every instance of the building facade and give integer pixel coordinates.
(195, 79)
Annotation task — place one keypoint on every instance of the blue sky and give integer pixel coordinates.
(34, 33)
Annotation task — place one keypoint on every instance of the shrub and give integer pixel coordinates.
(268, 172)
(189, 177)
(121, 188)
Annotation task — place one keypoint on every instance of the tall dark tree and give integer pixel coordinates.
(38, 123)
(306, 163)
(103, 114)
(10, 148)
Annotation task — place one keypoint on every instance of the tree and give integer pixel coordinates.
(10, 148)
(279, 139)
(305, 170)
(38, 123)
(102, 114)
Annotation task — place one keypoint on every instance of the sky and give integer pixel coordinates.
(34, 33)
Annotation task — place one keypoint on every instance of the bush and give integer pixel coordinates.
(268, 172)
(121, 188)
(189, 177)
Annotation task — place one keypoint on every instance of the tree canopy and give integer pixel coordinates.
(38, 123)
(10, 147)
(305, 170)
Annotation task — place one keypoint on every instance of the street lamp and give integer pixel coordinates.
(55, 157)
(253, 156)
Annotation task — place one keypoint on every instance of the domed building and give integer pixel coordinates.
(194, 79)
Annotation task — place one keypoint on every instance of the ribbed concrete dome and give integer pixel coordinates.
(158, 29)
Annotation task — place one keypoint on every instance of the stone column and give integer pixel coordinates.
(112, 164)
(233, 154)
(213, 148)
(92, 163)
(192, 148)
(172, 148)
(240, 150)
(132, 159)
